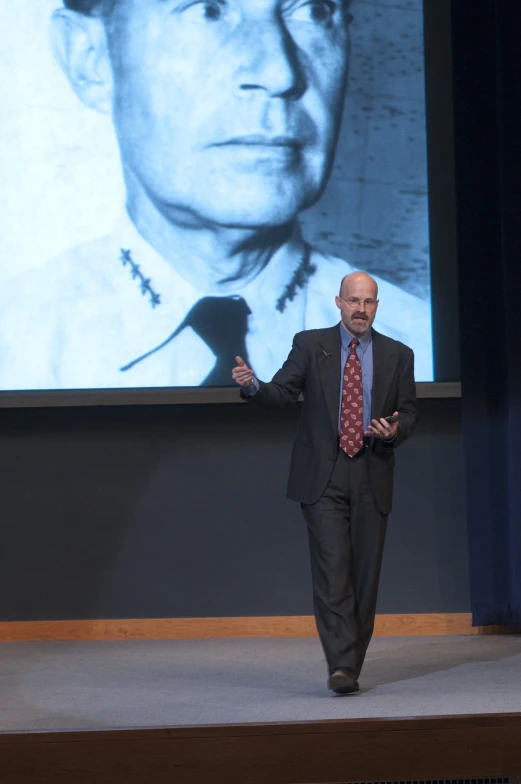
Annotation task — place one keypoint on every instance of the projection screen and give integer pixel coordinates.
(183, 182)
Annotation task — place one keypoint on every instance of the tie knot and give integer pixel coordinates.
(354, 343)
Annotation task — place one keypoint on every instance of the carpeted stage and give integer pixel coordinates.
(258, 710)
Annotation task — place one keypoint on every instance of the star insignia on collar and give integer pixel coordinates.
(298, 280)
(145, 283)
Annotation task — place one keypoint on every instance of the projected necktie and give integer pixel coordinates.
(222, 322)
(352, 407)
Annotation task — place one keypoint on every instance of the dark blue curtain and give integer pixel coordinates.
(487, 126)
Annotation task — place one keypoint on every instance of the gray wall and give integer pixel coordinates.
(180, 511)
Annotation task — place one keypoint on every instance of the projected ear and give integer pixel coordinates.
(80, 46)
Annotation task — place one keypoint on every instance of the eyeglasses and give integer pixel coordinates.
(354, 302)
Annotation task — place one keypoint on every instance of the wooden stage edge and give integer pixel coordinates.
(267, 626)
(406, 749)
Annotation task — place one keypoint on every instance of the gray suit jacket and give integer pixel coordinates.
(313, 369)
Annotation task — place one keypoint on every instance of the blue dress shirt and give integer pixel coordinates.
(364, 352)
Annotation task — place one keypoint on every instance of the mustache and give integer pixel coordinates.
(360, 315)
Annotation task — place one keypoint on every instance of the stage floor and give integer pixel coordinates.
(129, 684)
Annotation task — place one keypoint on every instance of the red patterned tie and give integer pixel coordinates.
(352, 414)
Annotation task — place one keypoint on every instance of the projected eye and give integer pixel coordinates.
(205, 11)
(317, 11)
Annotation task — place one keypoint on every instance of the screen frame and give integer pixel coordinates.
(443, 246)
(442, 189)
(168, 395)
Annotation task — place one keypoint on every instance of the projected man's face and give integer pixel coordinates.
(227, 111)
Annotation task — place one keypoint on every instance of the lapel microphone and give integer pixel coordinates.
(325, 353)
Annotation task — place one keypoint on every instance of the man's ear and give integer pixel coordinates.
(81, 48)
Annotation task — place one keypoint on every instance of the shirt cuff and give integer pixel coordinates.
(252, 389)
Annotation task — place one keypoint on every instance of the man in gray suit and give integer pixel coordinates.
(353, 380)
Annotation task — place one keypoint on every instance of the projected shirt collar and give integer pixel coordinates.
(162, 298)
(74, 321)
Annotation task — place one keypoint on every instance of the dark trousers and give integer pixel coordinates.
(346, 537)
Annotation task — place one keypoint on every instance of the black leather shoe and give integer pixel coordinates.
(342, 683)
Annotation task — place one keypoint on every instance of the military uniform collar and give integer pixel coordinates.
(159, 286)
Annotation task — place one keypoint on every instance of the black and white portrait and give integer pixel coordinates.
(188, 180)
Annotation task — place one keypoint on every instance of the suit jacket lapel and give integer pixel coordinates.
(384, 361)
(329, 348)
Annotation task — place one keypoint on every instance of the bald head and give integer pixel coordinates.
(358, 302)
(354, 278)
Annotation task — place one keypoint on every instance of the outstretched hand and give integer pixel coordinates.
(242, 374)
(379, 428)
